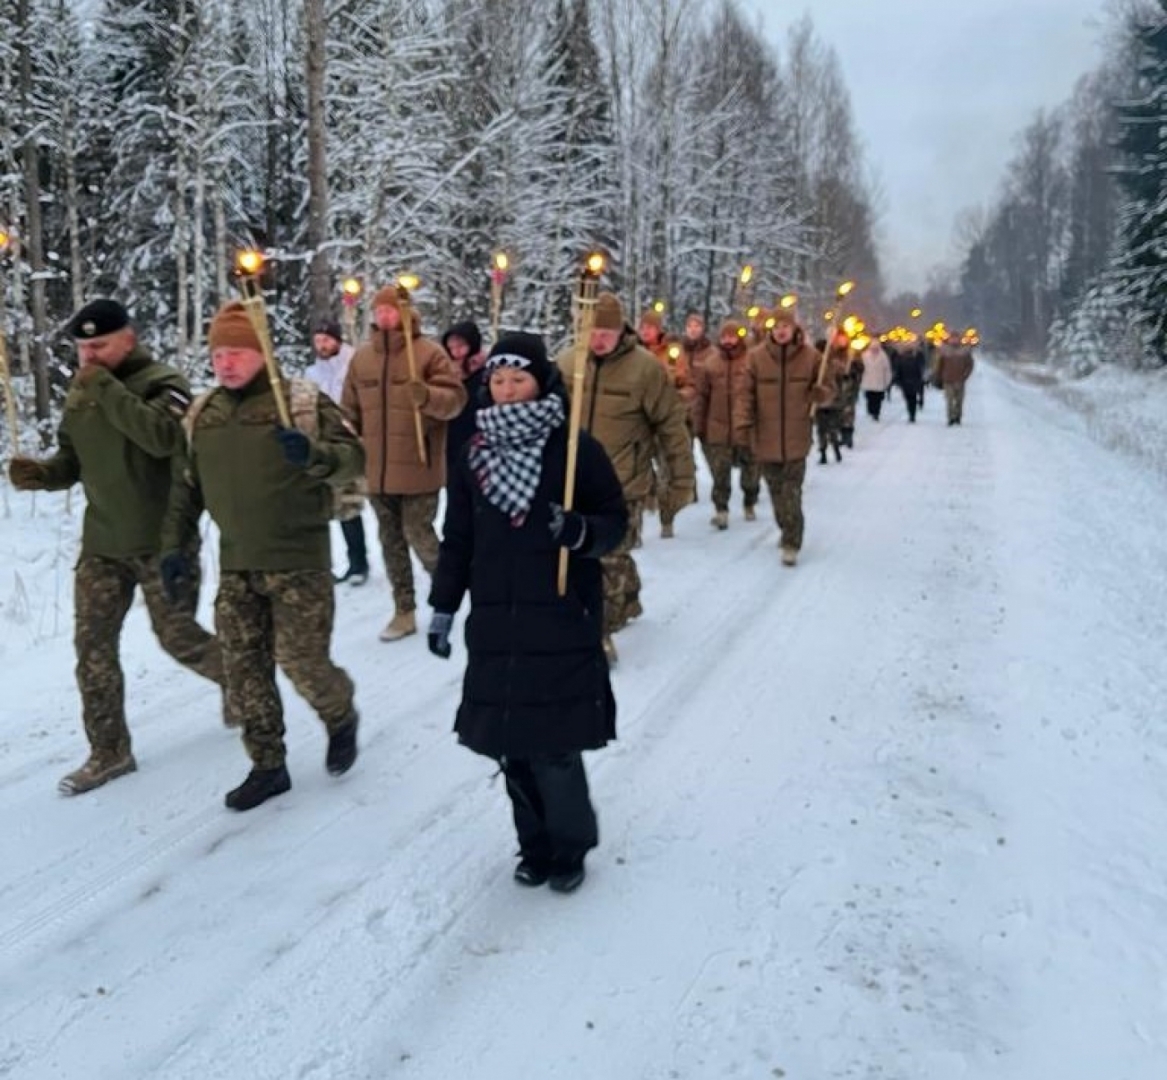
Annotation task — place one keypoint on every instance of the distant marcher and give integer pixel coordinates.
(954, 367)
(876, 377)
(333, 356)
(536, 691)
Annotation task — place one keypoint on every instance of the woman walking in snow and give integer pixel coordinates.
(536, 691)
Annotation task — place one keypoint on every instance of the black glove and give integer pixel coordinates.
(175, 571)
(438, 636)
(297, 447)
(569, 528)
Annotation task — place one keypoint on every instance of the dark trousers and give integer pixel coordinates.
(354, 540)
(554, 819)
(874, 403)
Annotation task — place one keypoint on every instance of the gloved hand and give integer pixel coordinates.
(297, 447)
(419, 393)
(438, 635)
(569, 528)
(89, 373)
(27, 475)
(175, 571)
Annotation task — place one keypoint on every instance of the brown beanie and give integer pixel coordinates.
(231, 329)
(784, 315)
(609, 312)
(651, 317)
(386, 296)
(730, 326)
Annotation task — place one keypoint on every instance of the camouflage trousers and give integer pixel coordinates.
(284, 617)
(954, 399)
(621, 578)
(103, 591)
(405, 522)
(829, 425)
(784, 479)
(722, 461)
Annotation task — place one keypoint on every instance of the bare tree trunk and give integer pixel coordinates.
(319, 271)
(34, 239)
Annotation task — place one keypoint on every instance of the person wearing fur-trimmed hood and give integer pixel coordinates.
(537, 690)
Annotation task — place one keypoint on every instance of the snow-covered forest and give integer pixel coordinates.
(1069, 262)
(142, 144)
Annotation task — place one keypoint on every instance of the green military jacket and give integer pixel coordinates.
(118, 436)
(271, 515)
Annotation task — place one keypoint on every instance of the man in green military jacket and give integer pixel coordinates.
(119, 437)
(269, 490)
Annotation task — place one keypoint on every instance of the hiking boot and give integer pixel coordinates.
(789, 556)
(401, 625)
(260, 785)
(566, 876)
(751, 514)
(531, 872)
(666, 531)
(354, 575)
(342, 748)
(102, 766)
(838, 452)
(720, 520)
(823, 456)
(610, 651)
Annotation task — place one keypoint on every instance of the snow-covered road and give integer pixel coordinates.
(897, 813)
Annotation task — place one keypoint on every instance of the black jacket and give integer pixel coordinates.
(536, 679)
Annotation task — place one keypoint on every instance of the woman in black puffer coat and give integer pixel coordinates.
(536, 691)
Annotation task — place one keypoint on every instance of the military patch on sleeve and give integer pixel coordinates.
(177, 401)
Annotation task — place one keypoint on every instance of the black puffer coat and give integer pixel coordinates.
(463, 426)
(536, 681)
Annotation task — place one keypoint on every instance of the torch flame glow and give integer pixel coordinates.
(409, 282)
(249, 261)
(351, 287)
(595, 264)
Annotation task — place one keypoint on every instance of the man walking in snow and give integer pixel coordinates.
(404, 479)
(954, 367)
(120, 432)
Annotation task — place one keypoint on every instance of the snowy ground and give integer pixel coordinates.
(898, 813)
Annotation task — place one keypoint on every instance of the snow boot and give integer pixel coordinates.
(751, 514)
(260, 785)
(531, 872)
(566, 875)
(666, 531)
(789, 556)
(102, 767)
(401, 625)
(354, 575)
(342, 748)
(838, 452)
(848, 439)
(823, 455)
(720, 520)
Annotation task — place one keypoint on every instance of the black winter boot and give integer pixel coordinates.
(838, 453)
(823, 455)
(260, 785)
(567, 875)
(342, 748)
(531, 872)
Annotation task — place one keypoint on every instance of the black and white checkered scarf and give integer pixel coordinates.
(506, 454)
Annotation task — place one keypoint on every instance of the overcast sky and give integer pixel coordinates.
(940, 88)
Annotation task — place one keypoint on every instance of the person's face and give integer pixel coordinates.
(650, 334)
(457, 348)
(107, 351)
(387, 317)
(694, 327)
(604, 341)
(729, 340)
(783, 333)
(236, 367)
(326, 345)
(509, 385)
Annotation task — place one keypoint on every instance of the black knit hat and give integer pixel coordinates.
(525, 352)
(329, 328)
(96, 319)
(468, 332)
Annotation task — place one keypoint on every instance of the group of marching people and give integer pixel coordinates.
(396, 418)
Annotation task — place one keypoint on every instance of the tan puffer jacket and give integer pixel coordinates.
(718, 383)
(377, 399)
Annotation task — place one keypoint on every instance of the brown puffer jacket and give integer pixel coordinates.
(377, 399)
(718, 383)
(630, 405)
(954, 365)
(772, 413)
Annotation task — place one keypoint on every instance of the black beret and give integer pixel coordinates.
(96, 319)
